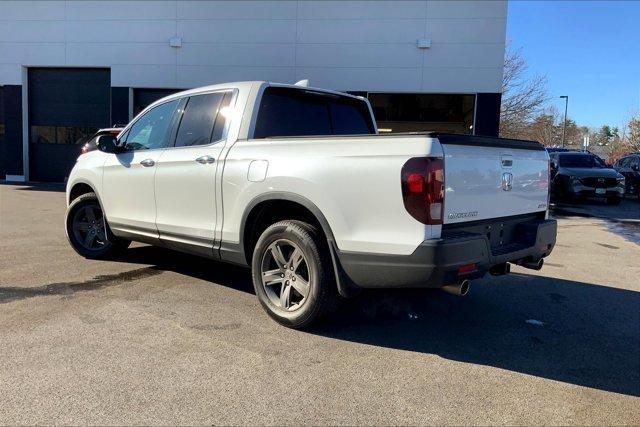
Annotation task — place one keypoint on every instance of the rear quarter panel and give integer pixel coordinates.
(354, 182)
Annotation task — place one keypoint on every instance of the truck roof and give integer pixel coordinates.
(246, 85)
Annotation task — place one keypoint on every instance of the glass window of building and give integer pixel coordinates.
(409, 112)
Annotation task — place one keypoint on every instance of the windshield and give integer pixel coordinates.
(579, 161)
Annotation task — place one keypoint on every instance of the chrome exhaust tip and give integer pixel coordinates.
(537, 265)
(460, 289)
(500, 269)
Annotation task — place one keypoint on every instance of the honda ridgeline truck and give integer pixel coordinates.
(296, 183)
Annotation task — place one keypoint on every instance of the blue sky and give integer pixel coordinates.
(589, 50)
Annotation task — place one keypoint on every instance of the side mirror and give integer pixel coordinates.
(554, 166)
(108, 144)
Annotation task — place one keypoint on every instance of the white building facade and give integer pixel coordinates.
(70, 67)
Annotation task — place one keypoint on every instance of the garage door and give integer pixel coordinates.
(66, 106)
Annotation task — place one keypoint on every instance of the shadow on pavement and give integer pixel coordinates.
(590, 334)
(628, 210)
(56, 187)
(229, 275)
(623, 220)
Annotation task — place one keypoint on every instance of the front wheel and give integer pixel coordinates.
(291, 274)
(88, 231)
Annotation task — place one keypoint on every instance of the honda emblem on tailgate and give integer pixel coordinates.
(507, 181)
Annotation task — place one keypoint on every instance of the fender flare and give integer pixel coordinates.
(290, 197)
(90, 185)
(345, 285)
(87, 183)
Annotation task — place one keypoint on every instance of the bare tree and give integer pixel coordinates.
(545, 128)
(633, 138)
(626, 140)
(522, 96)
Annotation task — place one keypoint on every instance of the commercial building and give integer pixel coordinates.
(68, 68)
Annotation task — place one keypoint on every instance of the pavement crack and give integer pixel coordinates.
(11, 293)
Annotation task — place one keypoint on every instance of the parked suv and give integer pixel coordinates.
(629, 166)
(296, 183)
(578, 175)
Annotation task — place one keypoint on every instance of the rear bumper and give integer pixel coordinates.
(435, 263)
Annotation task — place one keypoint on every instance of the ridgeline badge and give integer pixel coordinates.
(459, 215)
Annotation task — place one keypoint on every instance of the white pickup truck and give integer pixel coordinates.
(296, 183)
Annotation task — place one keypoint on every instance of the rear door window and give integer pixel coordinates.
(198, 120)
(299, 112)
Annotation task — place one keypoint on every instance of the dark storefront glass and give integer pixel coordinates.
(408, 112)
(1, 115)
(61, 134)
(66, 107)
(142, 98)
(2, 143)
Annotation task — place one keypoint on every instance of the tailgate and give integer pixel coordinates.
(493, 178)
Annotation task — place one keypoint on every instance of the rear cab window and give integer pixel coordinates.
(291, 112)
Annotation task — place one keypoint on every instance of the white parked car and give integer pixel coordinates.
(296, 183)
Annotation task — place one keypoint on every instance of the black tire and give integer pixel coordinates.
(615, 200)
(321, 296)
(559, 192)
(104, 243)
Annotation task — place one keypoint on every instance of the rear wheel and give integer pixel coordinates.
(291, 274)
(88, 231)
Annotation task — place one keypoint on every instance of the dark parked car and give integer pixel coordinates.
(576, 175)
(557, 150)
(91, 143)
(572, 150)
(629, 166)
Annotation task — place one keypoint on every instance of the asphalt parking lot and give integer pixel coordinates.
(157, 337)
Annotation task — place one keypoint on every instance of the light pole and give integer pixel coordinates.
(564, 127)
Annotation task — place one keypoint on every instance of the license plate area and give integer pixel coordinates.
(504, 234)
(601, 190)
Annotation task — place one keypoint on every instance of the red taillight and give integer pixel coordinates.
(415, 183)
(422, 181)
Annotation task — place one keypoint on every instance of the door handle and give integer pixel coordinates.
(203, 160)
(147, 163)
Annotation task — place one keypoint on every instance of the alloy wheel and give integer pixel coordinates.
(88, 227)
(285, 275)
